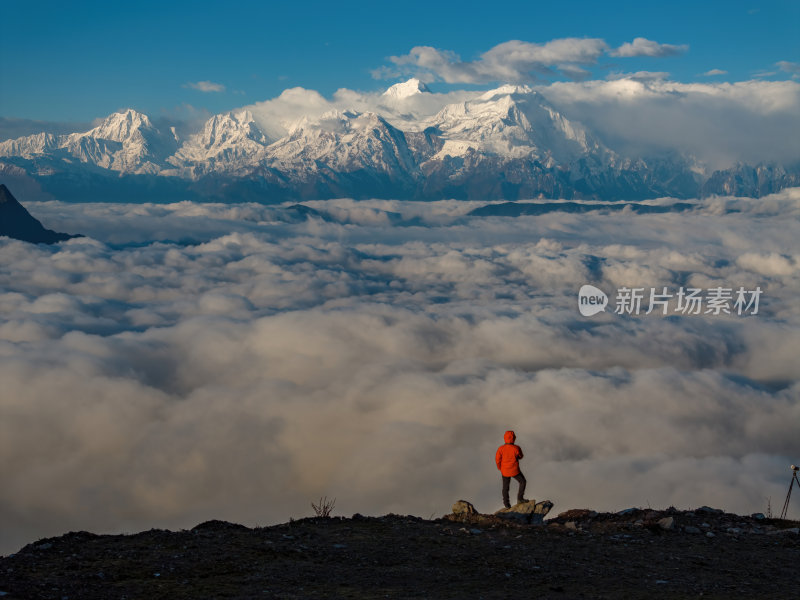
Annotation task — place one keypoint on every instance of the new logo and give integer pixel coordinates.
(591, 300)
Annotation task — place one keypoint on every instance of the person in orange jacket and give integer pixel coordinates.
(507, 458)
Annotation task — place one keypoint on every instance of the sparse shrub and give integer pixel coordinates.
(324, 507)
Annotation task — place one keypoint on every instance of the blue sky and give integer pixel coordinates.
(79, 61)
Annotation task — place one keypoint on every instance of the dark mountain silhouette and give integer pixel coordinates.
(518, 209)
(17, 223)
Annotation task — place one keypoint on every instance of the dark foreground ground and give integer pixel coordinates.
(580, 554)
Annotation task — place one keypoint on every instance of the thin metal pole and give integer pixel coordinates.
(789, 494)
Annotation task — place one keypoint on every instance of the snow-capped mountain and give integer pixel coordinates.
(515, 122)
(508, 143)
(230, 142)
(126, 142)
(406, 89)
(343, 142)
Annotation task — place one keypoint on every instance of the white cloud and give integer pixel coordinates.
(644, 116)
(512, 61)
(714, 72)
(643, 47)
(517, 61)
(639, 76)
(242, 375)
(789, 67)
(205, 86)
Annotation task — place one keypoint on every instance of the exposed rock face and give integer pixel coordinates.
(531, 512)
(17, 223)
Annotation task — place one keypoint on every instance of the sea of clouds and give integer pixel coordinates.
(185, 362)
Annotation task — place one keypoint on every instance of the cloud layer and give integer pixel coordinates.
(651, 115)
(377, 357)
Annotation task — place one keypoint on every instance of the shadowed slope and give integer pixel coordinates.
(17, 223)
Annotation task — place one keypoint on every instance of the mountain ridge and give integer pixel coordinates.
(507, 143)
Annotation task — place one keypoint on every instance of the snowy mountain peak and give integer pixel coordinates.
(514, 122)
(230, 127)
(336, 121)
(406, 89)
(228, 142)
(120, 126)
(509, 90)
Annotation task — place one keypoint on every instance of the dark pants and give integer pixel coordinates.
(520, 493)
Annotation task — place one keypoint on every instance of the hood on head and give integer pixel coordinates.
(509, 437)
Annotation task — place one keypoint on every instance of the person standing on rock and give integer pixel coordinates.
(507, 458)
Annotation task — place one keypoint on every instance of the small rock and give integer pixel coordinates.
(705, 525)
(733, 530)
(476, 531)
(627, 511)
(44, 546)
(793, 530)
(758, 516)
(462, 507)
(709, 534)
(691, 529)
(709, 511)
(571, 525)
(340, 546)
(667, 523)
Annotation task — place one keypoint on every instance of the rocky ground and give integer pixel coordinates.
(578, 554)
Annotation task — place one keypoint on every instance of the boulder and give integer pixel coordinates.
(462, 507)
(530, 512)
(667, 523)
(691, 529)
(707, 510)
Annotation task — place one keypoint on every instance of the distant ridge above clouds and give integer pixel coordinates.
(17, 223)
(625, 139)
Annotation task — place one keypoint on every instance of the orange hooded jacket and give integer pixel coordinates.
(508, 455)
